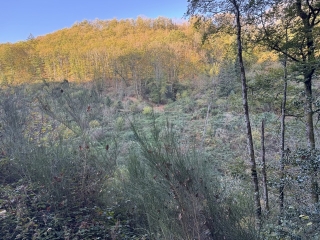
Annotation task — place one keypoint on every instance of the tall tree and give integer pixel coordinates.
(284, 152)
(238, 9)
(283, 130)
(300, 47)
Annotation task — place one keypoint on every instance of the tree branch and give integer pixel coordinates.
(301, 13)
(293, 115)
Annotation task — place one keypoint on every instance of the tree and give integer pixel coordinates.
(264, 172)
(238, 9)
(283, 129)
(299, 47)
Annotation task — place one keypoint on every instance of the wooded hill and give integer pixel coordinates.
(128, 51)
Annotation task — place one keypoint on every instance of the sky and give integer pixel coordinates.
(20, 18)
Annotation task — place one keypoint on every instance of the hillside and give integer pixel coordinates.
(134, 129)
(129, 50)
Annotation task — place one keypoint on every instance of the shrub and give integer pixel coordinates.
(119, 123)
(57, 176)
(176, 192)
(147, 110)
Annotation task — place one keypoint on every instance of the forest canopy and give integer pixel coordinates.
(131, 50)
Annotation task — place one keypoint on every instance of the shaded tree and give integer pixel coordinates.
(301, 48)
(238, 9)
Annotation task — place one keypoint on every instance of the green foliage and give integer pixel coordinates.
(147, 110)
(238, 168)
(178, 192)
(158, 91)
(296, 223)
(9, 171)
(119, 123)
(29, 216)
(227, 81)
(62, 178)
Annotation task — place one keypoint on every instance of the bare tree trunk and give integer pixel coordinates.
(264, 172)
(309, 114)
(254, 175)
(283, 129)
(311, 140)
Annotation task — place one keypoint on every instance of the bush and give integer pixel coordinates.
(147, 110)
(119, 124)
(29, 216)
(176, 192)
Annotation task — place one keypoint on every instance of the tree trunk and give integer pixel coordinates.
(309, 67)
(264, 172)
(283, 129)
(254, 175)
(308, 114)
(311, 140)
